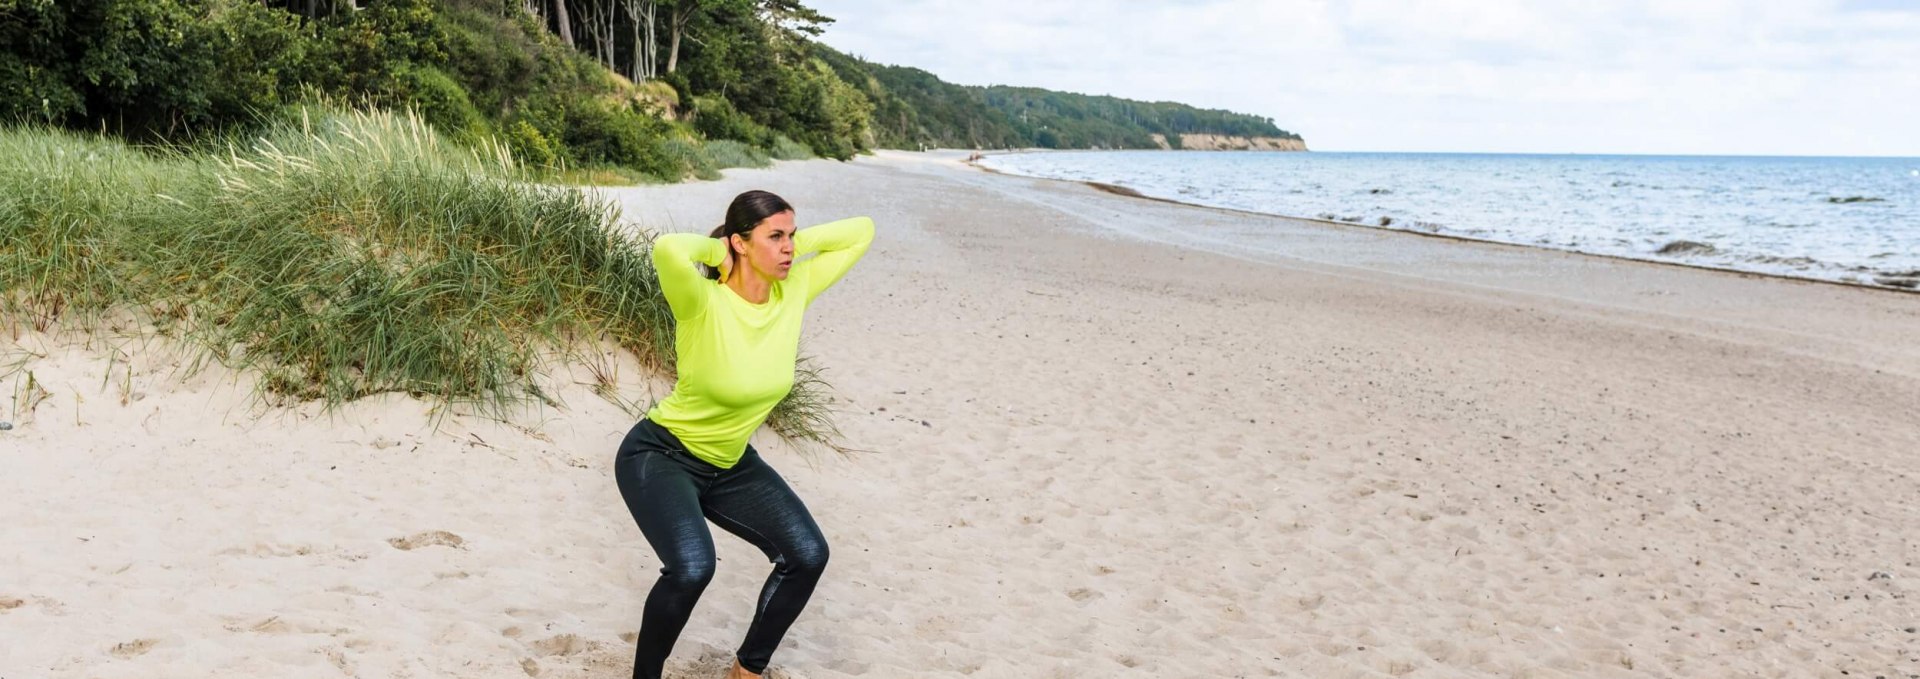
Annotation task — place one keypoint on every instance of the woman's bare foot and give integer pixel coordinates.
(738, 672)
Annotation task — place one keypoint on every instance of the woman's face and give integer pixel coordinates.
(769, 252)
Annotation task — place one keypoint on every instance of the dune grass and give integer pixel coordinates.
(338, 256)
(727, 153)
(788, 149)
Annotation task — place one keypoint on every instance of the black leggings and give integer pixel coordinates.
(669, 491)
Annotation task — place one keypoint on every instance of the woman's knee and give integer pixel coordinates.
(690, 575)
(809, 556)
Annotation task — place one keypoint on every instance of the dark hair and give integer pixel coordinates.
(747, 211)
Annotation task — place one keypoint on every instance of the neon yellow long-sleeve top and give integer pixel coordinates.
(736, 357)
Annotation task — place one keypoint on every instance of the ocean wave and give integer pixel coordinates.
(1686, 248)
(1795, 262)
(1774, 216)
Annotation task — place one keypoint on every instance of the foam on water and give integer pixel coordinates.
(1845, 219)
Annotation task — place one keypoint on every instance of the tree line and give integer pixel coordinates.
(584, 82)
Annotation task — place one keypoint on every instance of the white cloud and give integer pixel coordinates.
(1643, 76)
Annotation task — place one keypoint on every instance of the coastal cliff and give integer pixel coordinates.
(1220, 142)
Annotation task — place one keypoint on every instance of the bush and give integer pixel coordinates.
(365, 53)
(598, 133)
(716, 117)
(824, 112)
(656, 98)
(529, 145)
(262, 58)
(441, 101)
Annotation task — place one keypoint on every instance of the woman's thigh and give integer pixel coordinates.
(664, 498)
(756, 504)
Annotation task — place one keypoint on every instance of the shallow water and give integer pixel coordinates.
(1845, 219)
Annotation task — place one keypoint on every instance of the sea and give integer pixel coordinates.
(1852, 220)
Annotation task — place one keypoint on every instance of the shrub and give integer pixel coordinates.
(441, 101)
(716, 117)
(657, 99)
(529, 145)
(262, 57)
(598, 133)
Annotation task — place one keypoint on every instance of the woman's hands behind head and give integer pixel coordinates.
(726, 263)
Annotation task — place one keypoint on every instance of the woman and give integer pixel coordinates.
(689, 462)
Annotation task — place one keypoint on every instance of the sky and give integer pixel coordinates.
(1748, 77)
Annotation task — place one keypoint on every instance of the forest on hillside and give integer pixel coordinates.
(586, 83)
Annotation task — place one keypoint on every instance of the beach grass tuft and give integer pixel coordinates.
(338, 256)
(727, 153)
(788, 149)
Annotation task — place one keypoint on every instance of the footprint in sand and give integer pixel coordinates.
(428, 539)
(339, 659)
(564, 644)
(47, 606)
(271, 625)
(266, 549)
(133, 649)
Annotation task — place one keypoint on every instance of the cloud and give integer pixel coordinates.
(1639, 76)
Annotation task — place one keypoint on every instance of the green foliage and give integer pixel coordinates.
(261, 60)
(599, 133)
(529, 145)
(689, 159)
(62, 200)
(749, 71)
(1081, 121)
(364, 52)
(914, 107)
(716, 117)
(788, 149)
(149, 67)
(766, 73)
(506, 59)
(441, 101)
(37, 74)
(705, 160)
(841, 115)
(657, 98)
(728, 153)
(346, 256)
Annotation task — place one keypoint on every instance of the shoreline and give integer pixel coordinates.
(1912, 286)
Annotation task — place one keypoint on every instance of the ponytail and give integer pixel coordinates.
(720, 232)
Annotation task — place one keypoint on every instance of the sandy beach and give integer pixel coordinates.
(1103, 436)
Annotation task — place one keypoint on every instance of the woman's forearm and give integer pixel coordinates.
(844, 234)
(675, 256)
